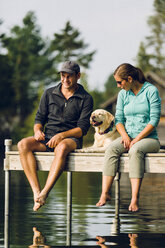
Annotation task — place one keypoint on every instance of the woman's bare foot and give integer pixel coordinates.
(103, 199)
(134, 205)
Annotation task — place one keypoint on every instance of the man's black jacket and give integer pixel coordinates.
(58, 114)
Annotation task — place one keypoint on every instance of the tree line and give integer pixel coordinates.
(29, 63)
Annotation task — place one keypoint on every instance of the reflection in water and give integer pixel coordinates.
(113, 240)
(38, 239)
(124, 240)
(121, 241)
(88, 221)
(132, 240)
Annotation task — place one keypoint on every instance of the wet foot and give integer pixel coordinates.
(134, 205)
(103, 199)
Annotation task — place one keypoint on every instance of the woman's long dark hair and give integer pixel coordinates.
(125, 70)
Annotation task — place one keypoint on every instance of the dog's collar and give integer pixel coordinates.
(110, 128)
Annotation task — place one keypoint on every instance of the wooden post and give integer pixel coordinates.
(116, 222)
(8, 143)
(69, 208)
(117, 193)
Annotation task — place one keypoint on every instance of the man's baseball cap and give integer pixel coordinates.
(70, 67)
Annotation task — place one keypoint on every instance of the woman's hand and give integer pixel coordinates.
(133, 142)
(144, 133)
(126, 141)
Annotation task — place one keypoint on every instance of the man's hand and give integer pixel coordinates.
(55, 140)
(39, 135)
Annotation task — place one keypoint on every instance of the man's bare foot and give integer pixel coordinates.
(41, 199)
(36, 204)
(103, 199)
(134, 205)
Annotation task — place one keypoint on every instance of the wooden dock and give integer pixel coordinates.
(78, 161)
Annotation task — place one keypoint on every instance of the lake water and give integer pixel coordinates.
(145, 228)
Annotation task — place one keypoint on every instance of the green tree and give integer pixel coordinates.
(110, 88)
(26, 129)
(98, 97)
(30, 63)
(84, 81)
(68, 45)
(151, 54)
(143, 58)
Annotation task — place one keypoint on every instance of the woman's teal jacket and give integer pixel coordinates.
(136, 111)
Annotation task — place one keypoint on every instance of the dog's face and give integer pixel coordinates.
(101, 118)
(105, 130)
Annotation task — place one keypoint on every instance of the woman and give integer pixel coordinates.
(137, 115)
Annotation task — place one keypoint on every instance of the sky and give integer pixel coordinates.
(114, 28)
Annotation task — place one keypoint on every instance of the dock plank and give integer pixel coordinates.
(86, 161)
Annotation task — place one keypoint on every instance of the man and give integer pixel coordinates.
(61, 121)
